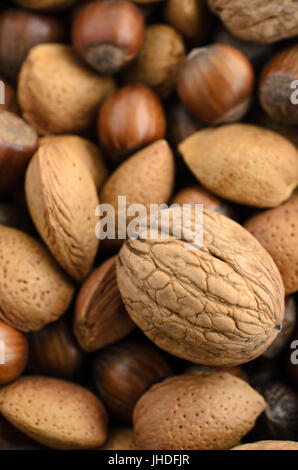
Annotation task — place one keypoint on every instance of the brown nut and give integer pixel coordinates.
(243, 163)
(57, 93)
(120, 439)
(275, 88)
(86, 151)
(159, 60)
(10, 98)
(54, 351)
(56, 413)
(62, 199)
(286, 130)
(277, 231)
(13, 353)
(287, 329)
(47, 5)
(258, 20)
(100, 316)
(122, 131)
(18, 142)
(21, 30)
(108, 35)
(203, 412)
(33, 289)
(123, 371)
(215, 84)
(180, 124)
(269, 445)
(221, 303)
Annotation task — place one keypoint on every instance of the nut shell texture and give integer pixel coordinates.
(62, 199)
(258, 20)
(189, 412)
(243, 163)
(33, 289)
(221, 304)
(56, 413)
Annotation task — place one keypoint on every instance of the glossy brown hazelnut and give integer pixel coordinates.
(46, 5)
(54, 351)
(13, 353)
(10, 98)
(100, 316)
(278, 86)
(190, 17)
(130, 118)
(287, 329)
(180, 124)
(215, 84)
(108, 35)
(21, 30)
(18, 142)
(159, 60)
(122, 372)
(199, 195)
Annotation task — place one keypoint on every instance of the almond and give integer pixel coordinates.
(62, 199)
(56, 413)
(269, 445)
(33, 289)
(243, 163)
(100, 316)
(57, 93)
(277, 231)
(85, 150)
(204, 412)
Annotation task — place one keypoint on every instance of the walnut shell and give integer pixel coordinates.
(62, 199)
(243, 163)
(277, 231)
(33, 289)
(269, 445)
(57, 93)
(258, 20)
(203, 412)
(221, 304)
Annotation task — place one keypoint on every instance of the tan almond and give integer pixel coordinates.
(34, 290)
(243, 163)
(203, 412)
(57, 93)
(62, 199)
(100, 316)
(87, 151)
(277, 231)
(269, 445)
(56, 413)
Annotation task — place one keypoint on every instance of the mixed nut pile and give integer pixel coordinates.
(143, 343)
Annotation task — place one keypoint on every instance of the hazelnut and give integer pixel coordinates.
(19, 32)
(18, 142)
(159, 60)
(54, 351)
(122, 131)
(57, 92)
(275, 86)
(13, 353)
(190, 17)
(215, 84)
(47, 5)
(122, 372)
(108, 35)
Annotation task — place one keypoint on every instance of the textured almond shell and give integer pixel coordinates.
(269, 445)
(85, 150)
(258, 20)
(34, 290)
(57, 93)
(222, 304)
(188, 412)
(243, 163)
(62, 199)
(56, 413)
(277, 231)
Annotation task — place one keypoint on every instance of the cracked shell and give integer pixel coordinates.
(191, 412)
(62, 199)
(218, 304)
